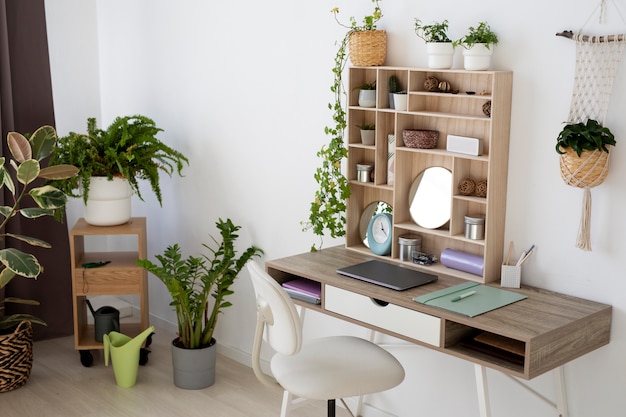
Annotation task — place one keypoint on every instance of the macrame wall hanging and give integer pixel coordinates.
(597, 61)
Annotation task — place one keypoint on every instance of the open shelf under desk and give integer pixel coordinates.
(524, 339)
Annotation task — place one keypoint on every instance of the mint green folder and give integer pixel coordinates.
(471, 298)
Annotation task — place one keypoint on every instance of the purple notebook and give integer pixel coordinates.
(304, 286)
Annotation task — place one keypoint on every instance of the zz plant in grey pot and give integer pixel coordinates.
(192, 281)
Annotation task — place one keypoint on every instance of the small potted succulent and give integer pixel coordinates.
(367, 94)
(439, 46)
(478, 47)
(368, 133)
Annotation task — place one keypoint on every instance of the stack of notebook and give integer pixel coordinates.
(304, 290)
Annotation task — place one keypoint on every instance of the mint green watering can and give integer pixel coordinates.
(124, 353)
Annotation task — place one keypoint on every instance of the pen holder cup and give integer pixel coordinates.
(511, 276)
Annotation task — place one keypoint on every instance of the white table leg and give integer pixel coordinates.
(561, 394)
(483, 391)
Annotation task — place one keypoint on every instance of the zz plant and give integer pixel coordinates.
(192, 280)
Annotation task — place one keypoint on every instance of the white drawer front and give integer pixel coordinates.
(410, 323)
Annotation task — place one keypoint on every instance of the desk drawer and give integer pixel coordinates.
(400, 320)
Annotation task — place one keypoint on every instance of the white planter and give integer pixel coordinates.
(368, 137)
(367, 98)
(440, 54)
(478, 57)
(400, 101)
(108, 203)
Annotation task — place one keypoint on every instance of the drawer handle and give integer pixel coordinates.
(380, 302)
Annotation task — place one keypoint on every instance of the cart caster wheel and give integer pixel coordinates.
(143, 356)
(86, 358)
(149, 339)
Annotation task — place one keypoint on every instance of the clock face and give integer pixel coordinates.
(381, 229)
(379, 234)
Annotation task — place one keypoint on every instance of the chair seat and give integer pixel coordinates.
(337, 367)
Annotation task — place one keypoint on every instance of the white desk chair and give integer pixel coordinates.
(324, 369)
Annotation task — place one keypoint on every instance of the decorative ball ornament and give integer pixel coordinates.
(481, 188)
(487, 108)
(431, 84)
(467, 186)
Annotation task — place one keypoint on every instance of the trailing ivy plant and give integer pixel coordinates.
(328, 208)
(436, 32)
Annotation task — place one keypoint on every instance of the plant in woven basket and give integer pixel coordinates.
(327, 212)
(20, 181)
(589, 136)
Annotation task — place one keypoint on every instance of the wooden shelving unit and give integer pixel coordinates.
(456, 113)
(120, 276)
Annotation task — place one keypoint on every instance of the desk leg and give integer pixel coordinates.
(561, 394)
(483, 392)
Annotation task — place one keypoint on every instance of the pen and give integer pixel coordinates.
(462, 296)
(528, 253)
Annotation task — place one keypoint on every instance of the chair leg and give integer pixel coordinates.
(331, 408)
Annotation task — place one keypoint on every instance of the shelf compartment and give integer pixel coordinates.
(448, 104)
(463, 81)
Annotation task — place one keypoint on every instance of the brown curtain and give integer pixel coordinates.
(26, 104)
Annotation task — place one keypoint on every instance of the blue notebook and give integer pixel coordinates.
(470, 298)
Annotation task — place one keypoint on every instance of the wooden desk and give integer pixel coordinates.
(548, 329)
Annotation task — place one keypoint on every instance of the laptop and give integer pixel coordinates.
(387, 275)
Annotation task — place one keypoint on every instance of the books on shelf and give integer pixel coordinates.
(304, 290)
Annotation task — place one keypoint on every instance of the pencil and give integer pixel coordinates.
(508, 255)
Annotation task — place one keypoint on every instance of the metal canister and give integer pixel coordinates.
(364, 172)
(475, 226)
(409, 244)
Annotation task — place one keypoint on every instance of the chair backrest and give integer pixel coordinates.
(277, 313)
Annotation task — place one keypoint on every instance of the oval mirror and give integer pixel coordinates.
(430, 198)
(370, 211)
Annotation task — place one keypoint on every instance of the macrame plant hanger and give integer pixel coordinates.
(597, 61)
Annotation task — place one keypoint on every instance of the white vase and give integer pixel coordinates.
(440, 54)
(368, 137)
(478, 57)
(400, 101)
(108, 202)
(367, 98)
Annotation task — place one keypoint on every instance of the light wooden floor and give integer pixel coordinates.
(60, 386)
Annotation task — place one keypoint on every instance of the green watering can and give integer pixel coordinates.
(124, 353)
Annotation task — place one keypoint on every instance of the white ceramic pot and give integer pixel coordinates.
(478, 57)
(367, 98)
(400, 101)
(440, 54)
(368, 137)
(108, 203)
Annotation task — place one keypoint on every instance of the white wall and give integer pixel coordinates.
(242, 88)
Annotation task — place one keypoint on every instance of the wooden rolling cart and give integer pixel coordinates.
(120, 276)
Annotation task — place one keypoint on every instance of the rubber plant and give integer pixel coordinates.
(20, 182)
(327, 212)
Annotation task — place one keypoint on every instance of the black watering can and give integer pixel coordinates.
(106, 319)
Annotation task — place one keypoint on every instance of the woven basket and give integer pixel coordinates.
(587, 170)
(16, 357)
(368, 48)
(421, 139)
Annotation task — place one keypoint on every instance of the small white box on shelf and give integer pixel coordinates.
(511, 276)
(462, 144)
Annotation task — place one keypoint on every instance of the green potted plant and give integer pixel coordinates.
(191, 282)
(367, 94)
(368, 133)
(327, 211)
(116, 158)
(477, 44)
(585, 143)
(439, 46)
(22, 181)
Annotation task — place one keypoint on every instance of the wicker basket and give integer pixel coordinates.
(422, 139)
(368, 48)
(587, 170)
(16, 357)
